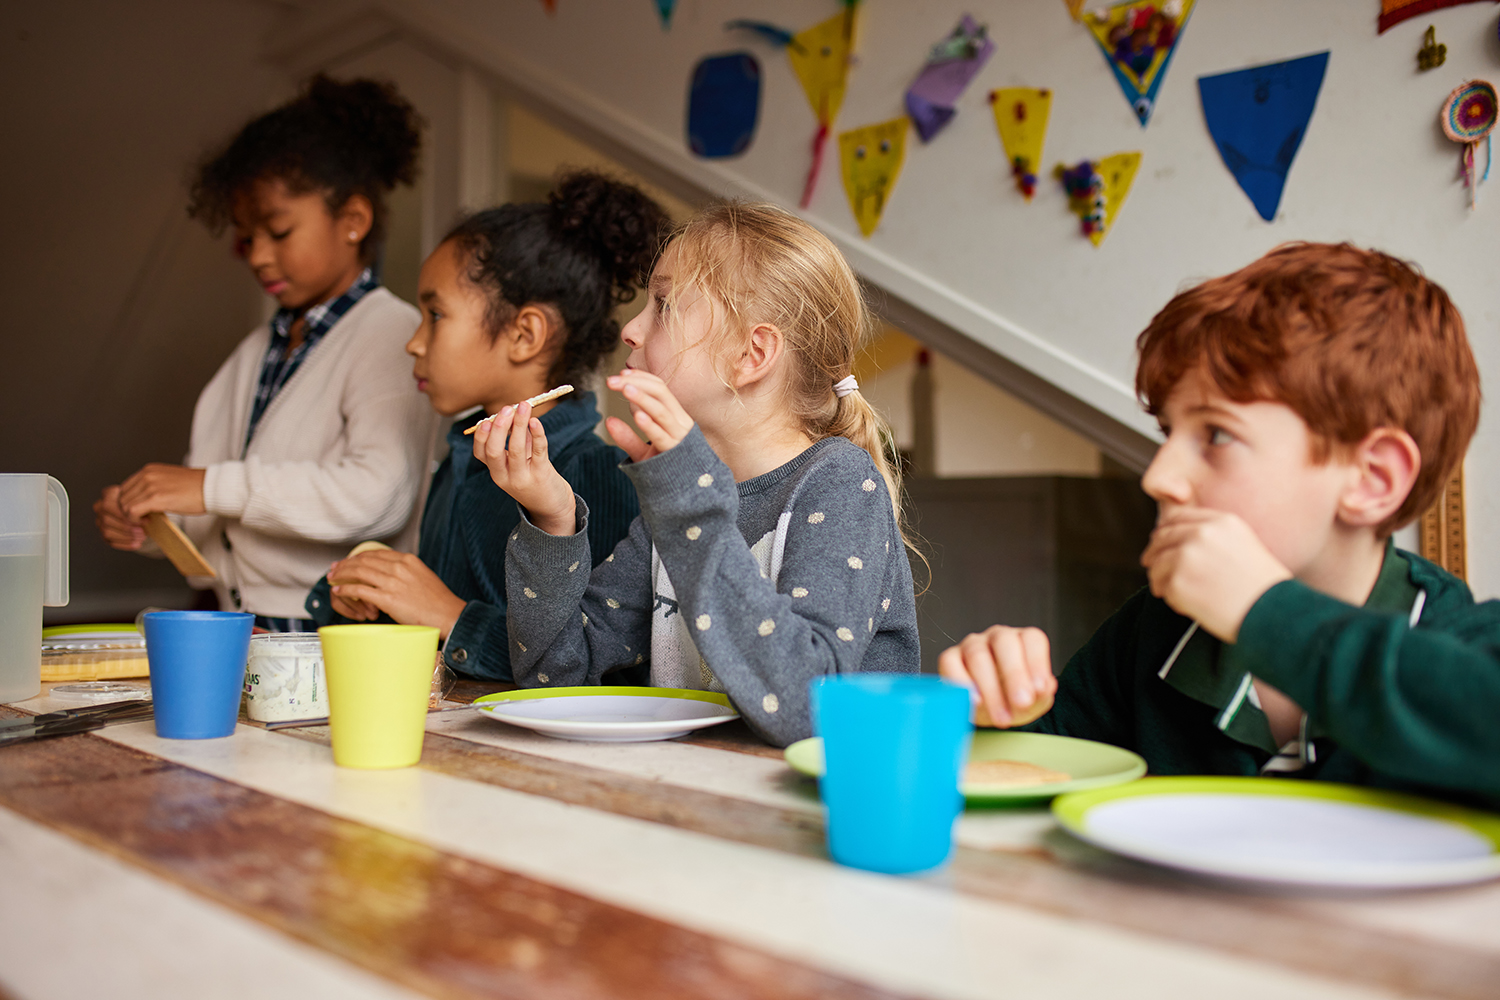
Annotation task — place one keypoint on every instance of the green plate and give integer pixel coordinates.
(1288, 831)
(1092, 765)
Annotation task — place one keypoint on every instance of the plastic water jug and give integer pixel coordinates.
(33, 573)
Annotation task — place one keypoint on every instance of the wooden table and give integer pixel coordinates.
(512, 865)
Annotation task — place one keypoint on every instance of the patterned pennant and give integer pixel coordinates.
(1021, 116)
(1097, 190)
(1258, 117)
(951, 65)
(664, 10)
(1396, 11)
(872, 158)
(1138, 38)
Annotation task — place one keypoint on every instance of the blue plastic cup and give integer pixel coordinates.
(893, 749)
(197, 671)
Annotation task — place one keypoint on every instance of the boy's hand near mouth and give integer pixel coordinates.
(1210, 566)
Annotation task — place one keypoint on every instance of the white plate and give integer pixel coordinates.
(609, 714)
(1293, 832)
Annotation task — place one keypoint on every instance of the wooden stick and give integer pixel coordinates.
(176, 546)
(545, 397)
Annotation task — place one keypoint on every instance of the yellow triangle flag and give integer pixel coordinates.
(1075, 8)
(820, 58)
(1118, 172)
(872, 158)
(1021, 116)
(1096, 191)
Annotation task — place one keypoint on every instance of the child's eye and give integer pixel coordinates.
(1219, 436)
(278, 237)
(662, 305)
(434, 314)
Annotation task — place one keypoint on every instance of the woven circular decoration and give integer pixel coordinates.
(1469, 112)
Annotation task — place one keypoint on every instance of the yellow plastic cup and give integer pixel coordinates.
(379, 677)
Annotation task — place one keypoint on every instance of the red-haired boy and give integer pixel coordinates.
(1313, 402)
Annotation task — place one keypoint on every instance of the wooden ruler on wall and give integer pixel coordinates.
(1441, 532)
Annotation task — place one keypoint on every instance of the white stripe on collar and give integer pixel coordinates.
(1416, 609)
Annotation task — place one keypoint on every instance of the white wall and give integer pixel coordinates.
(960, 246)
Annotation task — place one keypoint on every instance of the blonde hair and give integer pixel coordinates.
(759, 263)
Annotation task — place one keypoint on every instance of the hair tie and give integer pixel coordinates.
(844, 386)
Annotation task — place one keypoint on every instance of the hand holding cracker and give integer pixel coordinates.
(514, 448)
(1010, 668)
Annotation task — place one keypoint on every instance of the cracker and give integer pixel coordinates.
(1010, 774)
(545, 397)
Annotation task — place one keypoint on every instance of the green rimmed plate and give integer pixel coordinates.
(609, 714)
(1090, 764)
(1288, 831)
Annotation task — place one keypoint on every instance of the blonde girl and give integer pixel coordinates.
(769, 550)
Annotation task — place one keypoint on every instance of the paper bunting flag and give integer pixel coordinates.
(820, 57)
(1258, 117)
(951, 64)
(1021, 116)
(551, 6)
(723, 105)
(872, 158)
(1468, 116)
(1138, 38)
(1075, 8)
(1096, 190)
(1396, 11)
(664, 10)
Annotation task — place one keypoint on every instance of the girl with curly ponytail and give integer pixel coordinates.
(769, 550)
(516, 300)
(311, 435)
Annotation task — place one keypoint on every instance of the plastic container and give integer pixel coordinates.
(894, 747)
(284, 678)
(197, 671)
(379, 682)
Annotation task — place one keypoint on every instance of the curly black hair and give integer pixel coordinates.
(582, 252)
(336, 138)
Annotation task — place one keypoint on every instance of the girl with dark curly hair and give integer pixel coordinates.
(515, 300)
(310, 435)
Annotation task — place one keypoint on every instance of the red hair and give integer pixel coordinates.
(1350, 339)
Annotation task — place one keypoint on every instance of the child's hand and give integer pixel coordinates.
(1210, 566)
(116, 527)
(159, 487)
(655, 411)
(397, 583)
(514, 447)
(1011, 668)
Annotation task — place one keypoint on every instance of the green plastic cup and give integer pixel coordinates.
(379, 678)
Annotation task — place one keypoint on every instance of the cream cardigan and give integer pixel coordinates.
(339, 456)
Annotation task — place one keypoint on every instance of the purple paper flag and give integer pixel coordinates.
(951, 66)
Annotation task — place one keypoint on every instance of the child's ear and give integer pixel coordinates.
(1386, 463)
(354, 220)
(762, 350)
(529, 333)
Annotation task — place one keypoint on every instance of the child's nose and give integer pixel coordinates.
(1165, 481)
(631, 334)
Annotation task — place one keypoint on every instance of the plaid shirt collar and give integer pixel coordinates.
(279, 364)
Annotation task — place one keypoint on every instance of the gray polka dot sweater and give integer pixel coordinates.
(753, 588)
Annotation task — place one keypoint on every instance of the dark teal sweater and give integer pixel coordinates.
(1411, 708)
(468, 520)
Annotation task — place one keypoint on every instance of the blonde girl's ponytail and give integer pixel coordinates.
(761, 264)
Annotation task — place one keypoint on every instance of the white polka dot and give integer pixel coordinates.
(572, 567)
(845, 634)
(528, 591)
(799, 591)
(514, 535)
(855, 562)
(870, 625)
(703, 623)
(868, 486)
(694, 533)
(640, 658)
(585, 619)
(816, 517)
(770, 703)
(610, 557)
(888, 546)
(705, 480)
(612, 602)
(521, 645)
(767, 627)
(543, 678)
(885, 605)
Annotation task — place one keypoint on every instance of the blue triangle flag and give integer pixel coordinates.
(1257, 117)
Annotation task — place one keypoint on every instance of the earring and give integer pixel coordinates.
(354, 236)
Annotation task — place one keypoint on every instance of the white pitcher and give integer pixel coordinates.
(33, 573)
